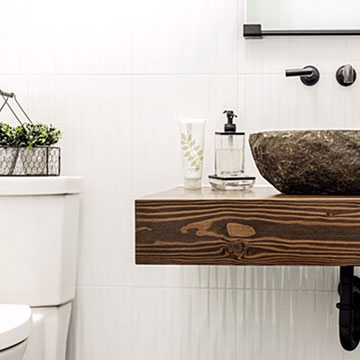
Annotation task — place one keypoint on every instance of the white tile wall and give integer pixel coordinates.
(93, 37)
(115, 75)
(182, 323)
(185, 36)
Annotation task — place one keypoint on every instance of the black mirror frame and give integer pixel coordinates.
(254, 31)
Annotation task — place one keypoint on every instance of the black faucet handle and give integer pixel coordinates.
(309, 75)
(346, 75)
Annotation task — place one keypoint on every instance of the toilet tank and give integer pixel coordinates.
(39, 219)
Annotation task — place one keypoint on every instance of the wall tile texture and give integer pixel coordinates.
(115, 75)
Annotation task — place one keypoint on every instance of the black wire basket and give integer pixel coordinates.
(24, 161)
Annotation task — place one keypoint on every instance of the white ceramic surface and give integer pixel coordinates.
(49, 334)
(38, 246)
(31, 186)
(14, 353)
(38, 260)
(15, 324)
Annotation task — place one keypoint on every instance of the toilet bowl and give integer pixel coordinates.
(38, 261)
(15, 329)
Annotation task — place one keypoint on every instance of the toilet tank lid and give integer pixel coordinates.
(15, 324)
(40, 185)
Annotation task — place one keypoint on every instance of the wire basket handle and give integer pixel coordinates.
(6, 96)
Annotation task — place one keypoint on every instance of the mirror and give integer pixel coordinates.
(308, 17)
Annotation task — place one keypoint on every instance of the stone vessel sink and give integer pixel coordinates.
(309, 162)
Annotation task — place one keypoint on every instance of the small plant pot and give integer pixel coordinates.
(22, 161)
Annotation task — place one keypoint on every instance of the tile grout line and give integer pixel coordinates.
(200, 288)
(132, 173)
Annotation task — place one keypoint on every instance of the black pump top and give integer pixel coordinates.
(230, 127)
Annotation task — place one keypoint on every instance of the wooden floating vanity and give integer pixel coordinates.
(260, 227)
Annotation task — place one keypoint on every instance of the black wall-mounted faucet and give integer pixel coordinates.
(346, 75)
(309, 75)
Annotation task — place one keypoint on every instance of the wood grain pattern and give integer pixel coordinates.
(321, 231)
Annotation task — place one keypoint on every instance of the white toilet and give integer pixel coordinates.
(38, 257)
(15, 328)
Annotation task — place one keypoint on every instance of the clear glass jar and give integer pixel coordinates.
(229, 158)
(229, 154)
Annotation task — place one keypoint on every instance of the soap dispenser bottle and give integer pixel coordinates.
(229, 158)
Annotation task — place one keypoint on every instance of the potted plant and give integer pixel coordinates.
(27, 150)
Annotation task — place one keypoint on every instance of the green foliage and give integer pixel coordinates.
(41, 135)
(29, 135)
(7, 135)
(192, 151)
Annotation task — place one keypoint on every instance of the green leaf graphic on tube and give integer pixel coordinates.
(192, 152)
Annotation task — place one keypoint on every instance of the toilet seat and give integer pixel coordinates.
(15, 325)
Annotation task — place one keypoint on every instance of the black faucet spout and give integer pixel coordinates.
(298, 72)
(309, 75)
